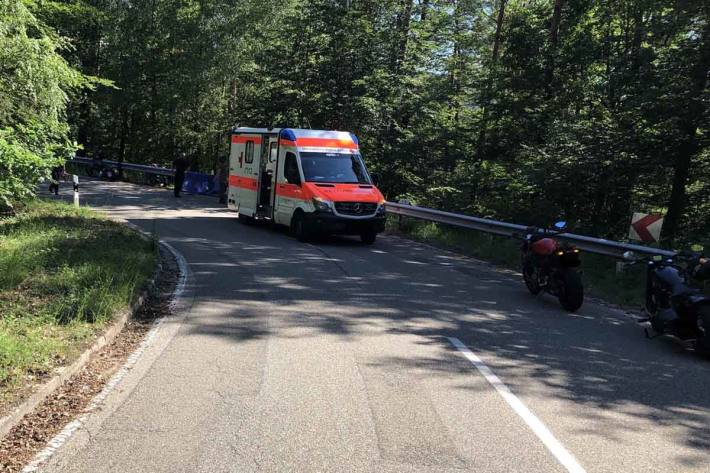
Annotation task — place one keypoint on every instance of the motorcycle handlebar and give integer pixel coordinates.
(541, 231)
(685, 257)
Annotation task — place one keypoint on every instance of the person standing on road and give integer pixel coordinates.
(57, 173)
(221, 178)
(180, 164)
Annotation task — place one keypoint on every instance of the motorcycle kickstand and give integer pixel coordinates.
(651, 337)
(646, 330)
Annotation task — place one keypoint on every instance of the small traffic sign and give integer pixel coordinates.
(646, 227)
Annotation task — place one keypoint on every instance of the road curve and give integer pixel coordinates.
(338, 356)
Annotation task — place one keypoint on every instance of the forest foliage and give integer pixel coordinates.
(521, 110)
(36, 83)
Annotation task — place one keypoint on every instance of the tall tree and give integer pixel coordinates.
(36, 83)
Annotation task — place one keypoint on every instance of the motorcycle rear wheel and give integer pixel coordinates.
(571, 290)
(530, 278)
(702, 344)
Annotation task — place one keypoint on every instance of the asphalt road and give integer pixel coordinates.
(338, 356)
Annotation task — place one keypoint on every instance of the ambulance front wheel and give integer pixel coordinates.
(368, 237)
(299, 228)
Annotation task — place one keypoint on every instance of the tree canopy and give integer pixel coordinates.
(34, 82)
(523, 110)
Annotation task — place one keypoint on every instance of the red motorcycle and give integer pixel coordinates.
(550, 265)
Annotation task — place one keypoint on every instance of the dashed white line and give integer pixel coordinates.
(563, 456)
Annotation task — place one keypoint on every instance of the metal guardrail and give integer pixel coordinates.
(125, 166)
(590, 244)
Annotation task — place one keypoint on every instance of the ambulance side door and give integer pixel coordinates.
(288, 187)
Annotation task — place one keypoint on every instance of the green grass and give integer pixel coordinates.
(599, 272)
(63, 273)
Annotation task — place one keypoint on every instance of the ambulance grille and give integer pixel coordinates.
(355, 208)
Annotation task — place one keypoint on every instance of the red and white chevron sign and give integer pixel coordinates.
(646, 227)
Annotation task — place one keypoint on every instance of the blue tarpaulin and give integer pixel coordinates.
(198, 183)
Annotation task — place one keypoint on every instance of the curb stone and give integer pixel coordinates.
(9, 421)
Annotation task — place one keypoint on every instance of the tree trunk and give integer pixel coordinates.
(690, 146)
(499, 30)
(679, 198)
(122, 140)
(554, 39)
(403, 22)
(637, 40)
(555, 24)
(232, 106)
(425, 10)
(481, 145)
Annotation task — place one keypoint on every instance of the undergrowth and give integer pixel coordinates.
(64, 272)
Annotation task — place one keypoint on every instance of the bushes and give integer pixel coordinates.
(63, 273)
(35, 85)
(20, 171)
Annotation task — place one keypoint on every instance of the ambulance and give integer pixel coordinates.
(313, 181)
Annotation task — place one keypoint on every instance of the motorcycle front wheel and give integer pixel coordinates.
(530, 278)
(571, 290)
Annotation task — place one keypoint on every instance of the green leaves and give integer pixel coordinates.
(36, 83)
(592, 117)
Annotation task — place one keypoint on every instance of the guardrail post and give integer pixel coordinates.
(400, 217)
(75, 180)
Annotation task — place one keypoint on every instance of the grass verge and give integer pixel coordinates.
(599, 272)
(64, 272)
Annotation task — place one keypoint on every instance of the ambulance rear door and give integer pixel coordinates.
(247, 175)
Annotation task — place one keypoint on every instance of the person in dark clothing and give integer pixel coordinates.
(221, 177)
(57, 173)
(180, 164)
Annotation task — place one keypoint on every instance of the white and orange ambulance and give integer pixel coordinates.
(313, 181)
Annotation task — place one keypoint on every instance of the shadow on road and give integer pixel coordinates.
(597, 359)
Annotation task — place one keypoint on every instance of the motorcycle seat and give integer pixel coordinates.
(681, 290)
(544, 246)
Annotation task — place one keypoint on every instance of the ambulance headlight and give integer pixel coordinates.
(322, 205)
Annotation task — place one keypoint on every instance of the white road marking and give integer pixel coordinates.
(562, 455)
(62, 437)
(176, 297)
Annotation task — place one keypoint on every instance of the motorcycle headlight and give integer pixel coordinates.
(322, 205)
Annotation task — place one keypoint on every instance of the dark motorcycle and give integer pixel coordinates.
(673, 305)
(551, 266)
(158, 180)
(109, 173)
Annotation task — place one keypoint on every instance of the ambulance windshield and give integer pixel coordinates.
(337, 168)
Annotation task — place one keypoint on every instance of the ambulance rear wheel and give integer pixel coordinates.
(368, 237)
(299, 228)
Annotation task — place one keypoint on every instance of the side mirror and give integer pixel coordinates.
(561, 225)
(629, 255)
(375, 178)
